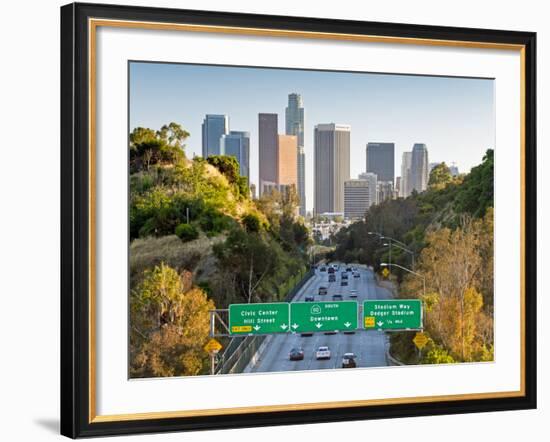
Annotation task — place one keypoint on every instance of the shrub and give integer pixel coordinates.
(186, 232)
(251, 222)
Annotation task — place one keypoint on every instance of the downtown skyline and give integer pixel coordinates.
(454, 104)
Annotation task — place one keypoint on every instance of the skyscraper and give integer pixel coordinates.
(331, 165)
(453, 169)
(295, 126)
(385, 190)
(237, 144)
(419, 168)
(404, 189)
(213, 127)
(287, 164)
(268, 141)
(381, 161)
(356, 198)
(372, 179)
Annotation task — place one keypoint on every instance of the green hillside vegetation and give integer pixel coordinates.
(195, 232)
(450, 229)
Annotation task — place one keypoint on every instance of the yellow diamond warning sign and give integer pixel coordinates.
(212, 346)
(420, 340)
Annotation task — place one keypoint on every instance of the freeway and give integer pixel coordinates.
(369, 346)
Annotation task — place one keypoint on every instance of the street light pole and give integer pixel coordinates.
(383, 264)
(390, 244)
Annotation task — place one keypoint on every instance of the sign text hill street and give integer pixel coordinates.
(323, 316)
(258, 319)
(395, 314)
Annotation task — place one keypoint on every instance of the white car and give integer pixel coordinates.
(322, 353)
(353, 293)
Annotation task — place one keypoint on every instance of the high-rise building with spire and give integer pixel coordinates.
(295, 126)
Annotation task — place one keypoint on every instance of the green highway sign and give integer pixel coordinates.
(323, 316)
(392, 314)
(258, 319)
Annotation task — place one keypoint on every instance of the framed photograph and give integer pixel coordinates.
(274, 220)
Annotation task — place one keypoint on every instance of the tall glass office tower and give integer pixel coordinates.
(237, 144)
(213, 127)
(381, 161)
(295, 126)
(419, 168)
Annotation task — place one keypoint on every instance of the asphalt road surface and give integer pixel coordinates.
(369, 346)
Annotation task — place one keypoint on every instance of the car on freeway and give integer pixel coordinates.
(331, 277)
(343, 282)
(296, 354)
(323, 291)
(337, 297)
(348, 269)
(348, 360)
(353, 293)
(306, 334)
(331, 270)
(309, 298)
(322, 352)
(344, 275)
(356, 275)
(323, 269)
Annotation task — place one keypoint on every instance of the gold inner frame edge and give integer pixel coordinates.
(93, 24)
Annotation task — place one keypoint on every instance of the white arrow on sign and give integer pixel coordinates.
(347, 324)
(318, 325)
(284, 326)
(257, 327)
(295, 326)
(380, 323)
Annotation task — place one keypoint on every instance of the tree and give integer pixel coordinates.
(252, 222)
(169, 325)
(249, 257)
(164, 147)
(454, 267)
(476, 193)
(440, 176)
(173, 134)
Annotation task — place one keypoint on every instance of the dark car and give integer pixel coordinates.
(323, 269)
(348, 269)
(356, 275)
(323, 291)
(344, 282)
(337, 297)
(344, 275)
(306, 334)
(348, 361)
(331, 270)
(309, 298)
(296, 354)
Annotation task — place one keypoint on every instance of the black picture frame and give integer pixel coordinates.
(75, 221)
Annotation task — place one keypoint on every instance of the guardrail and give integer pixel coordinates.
(391, 360)
(241, 350)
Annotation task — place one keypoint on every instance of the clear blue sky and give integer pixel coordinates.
(454, 117)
